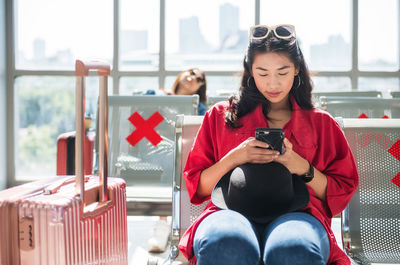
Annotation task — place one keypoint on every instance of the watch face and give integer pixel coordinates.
(310, 175)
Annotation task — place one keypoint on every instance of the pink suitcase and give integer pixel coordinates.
(68, 220)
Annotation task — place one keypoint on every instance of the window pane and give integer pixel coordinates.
(210, 34)
(139, 39)
(49, 34)
(223, 85)
(323, 84)
(323, 29)
(385, 85)
(45, 108)
(138, 85)
(378, 35)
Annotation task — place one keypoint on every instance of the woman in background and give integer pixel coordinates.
(190, 82)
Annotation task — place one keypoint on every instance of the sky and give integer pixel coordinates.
(86, 26)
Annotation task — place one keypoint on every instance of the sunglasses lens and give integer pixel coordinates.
(259, 32)
(283, 31)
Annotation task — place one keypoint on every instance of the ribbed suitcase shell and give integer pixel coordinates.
(68, 220)
(61, 233)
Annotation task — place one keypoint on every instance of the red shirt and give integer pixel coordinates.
(315, 136)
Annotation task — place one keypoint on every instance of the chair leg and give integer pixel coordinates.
(173, 253)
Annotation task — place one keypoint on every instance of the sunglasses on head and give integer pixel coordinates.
(283, 31)
(196, 72)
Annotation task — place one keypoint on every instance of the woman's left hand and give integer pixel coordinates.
(293, 161)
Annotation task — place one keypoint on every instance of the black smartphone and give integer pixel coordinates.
(272, 136)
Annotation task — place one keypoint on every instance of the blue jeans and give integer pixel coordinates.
(227, 237)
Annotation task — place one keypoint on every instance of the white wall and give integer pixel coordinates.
(3, 146)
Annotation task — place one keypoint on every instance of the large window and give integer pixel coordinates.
(210, 34)
(49, 34)
(379, 35)
(323, 29)
(348, 44)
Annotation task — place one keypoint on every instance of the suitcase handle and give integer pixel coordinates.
(53, 188)
(81, 71)
(82, 68)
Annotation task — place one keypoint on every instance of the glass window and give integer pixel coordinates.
(223, 85)
(378, 35)
(138, 85)
(49, 34)
(323, 29)
(139, 33)
(323, 84)
(210, 34)
(385, 85)
(44, 109)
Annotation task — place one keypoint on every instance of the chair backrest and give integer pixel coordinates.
(211, 100)
(374, 93)
(371, 221)
(348, 107)
(184, 213)
(395, 94)
(145, 163)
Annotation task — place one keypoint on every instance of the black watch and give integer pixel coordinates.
(309, 175)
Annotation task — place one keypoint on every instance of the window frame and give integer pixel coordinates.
(161, 73)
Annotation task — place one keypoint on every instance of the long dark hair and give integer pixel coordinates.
(249, 96)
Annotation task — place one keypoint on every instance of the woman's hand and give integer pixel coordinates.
(293, 161)
(251, 151)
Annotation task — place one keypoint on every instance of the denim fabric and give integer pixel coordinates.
(227, 237)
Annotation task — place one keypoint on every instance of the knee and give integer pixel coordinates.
(294, 252)
(226, 242)
(229, 241)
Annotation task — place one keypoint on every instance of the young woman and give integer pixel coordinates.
(275, 92)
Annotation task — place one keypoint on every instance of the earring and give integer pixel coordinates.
(248, 81)
(299, 82)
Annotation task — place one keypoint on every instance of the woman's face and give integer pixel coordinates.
(274, 74)
(189, 82)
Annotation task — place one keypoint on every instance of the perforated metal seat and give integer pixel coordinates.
(371, 222)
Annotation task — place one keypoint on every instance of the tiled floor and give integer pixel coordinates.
(139, 228)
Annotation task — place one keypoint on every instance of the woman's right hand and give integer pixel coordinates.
(251, 151)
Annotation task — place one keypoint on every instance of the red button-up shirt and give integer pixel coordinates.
(315, 136)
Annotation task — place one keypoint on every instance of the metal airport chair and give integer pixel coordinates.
(373, 94)
(211, 100)
(395, 94)
(348, 107)
(371, 221)
(146, 168)
(184, 213)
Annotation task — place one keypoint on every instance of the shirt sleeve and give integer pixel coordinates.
(200, 157)
(337, 163)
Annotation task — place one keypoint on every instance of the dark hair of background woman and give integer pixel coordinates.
(250, 97)
(202, 89)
